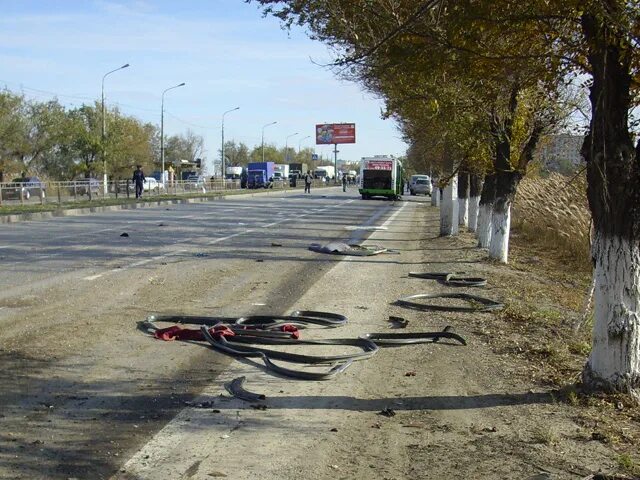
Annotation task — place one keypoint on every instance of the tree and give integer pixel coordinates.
(10, 130)
(187, 146)
(237, 154)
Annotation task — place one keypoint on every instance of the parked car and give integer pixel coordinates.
(194, 182)
(25, 188)
(150, 185)
(420, 184)
(83, 184)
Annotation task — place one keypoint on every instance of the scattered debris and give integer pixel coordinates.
(259, 407)
(475, 303)
(490, 429)
(199, 404)
(236, 388)
(398, 322)
(200, 254)
(259, 260)
(161, 225)
(376, 425)
(414, 425)
(217, 474)
(124, 234)
(333, 429)
(360, 307)
(275, 244)
(387, 412)
(451, 279)
(395, 339)
(410, 374)
(340, 248)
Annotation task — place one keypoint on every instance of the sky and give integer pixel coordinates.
(226, 52)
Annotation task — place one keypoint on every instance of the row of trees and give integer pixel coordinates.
(46, 139)
(239, 154)
(474, 84)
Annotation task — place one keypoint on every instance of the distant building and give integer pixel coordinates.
(560, 152)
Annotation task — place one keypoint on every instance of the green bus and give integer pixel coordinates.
(381, 176)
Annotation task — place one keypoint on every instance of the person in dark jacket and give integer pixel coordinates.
(138, 178)
(344, 183)
(307, 182)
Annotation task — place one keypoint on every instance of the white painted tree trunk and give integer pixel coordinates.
(500, 227)
(483, 232)
(474, 205)
(449, 209)
(614, 362)
(438, 197)
(463, 212)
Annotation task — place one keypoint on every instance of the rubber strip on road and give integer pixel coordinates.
(475, 303)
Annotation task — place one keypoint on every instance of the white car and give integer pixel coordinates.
(420, 184)
(150, 185)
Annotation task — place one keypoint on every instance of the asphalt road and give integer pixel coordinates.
(82, 387)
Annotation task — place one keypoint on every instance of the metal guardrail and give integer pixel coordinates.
(83, 190)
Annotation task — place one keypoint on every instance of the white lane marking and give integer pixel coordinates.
(218, 240)
(5, 246)
(396, 213)
(93, 277)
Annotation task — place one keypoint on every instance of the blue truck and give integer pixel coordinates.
(260, 175)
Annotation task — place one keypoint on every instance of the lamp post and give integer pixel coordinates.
(286, 147)
(104, 126)
(222, 163)
(265, 126)
(303, 138)
(162, 128)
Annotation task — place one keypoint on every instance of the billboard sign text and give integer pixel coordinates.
(378, 165)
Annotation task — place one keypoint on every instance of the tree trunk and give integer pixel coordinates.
(506, 184)
(485, 213)
(438, 196)
(449, 209)
(474, 201)
(613, 179)
(463, 199)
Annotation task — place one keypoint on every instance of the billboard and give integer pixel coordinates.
(330, 133)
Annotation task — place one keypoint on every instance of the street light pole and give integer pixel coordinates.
(162, 128)
(222, 163)
(303, 138)
(265, 126)
(286, 147)
(104, 127)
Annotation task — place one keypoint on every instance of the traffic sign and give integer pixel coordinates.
(314, 157)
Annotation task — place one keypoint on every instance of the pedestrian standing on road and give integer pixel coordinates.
(344, 183)
(307, 182)
(138, 178)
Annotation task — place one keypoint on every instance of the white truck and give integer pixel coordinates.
(233, 173)
(325, 171)
(281, 172)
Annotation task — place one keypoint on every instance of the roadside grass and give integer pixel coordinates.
(548, 281)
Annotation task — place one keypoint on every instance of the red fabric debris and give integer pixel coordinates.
(292, 329)
(178, 333)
